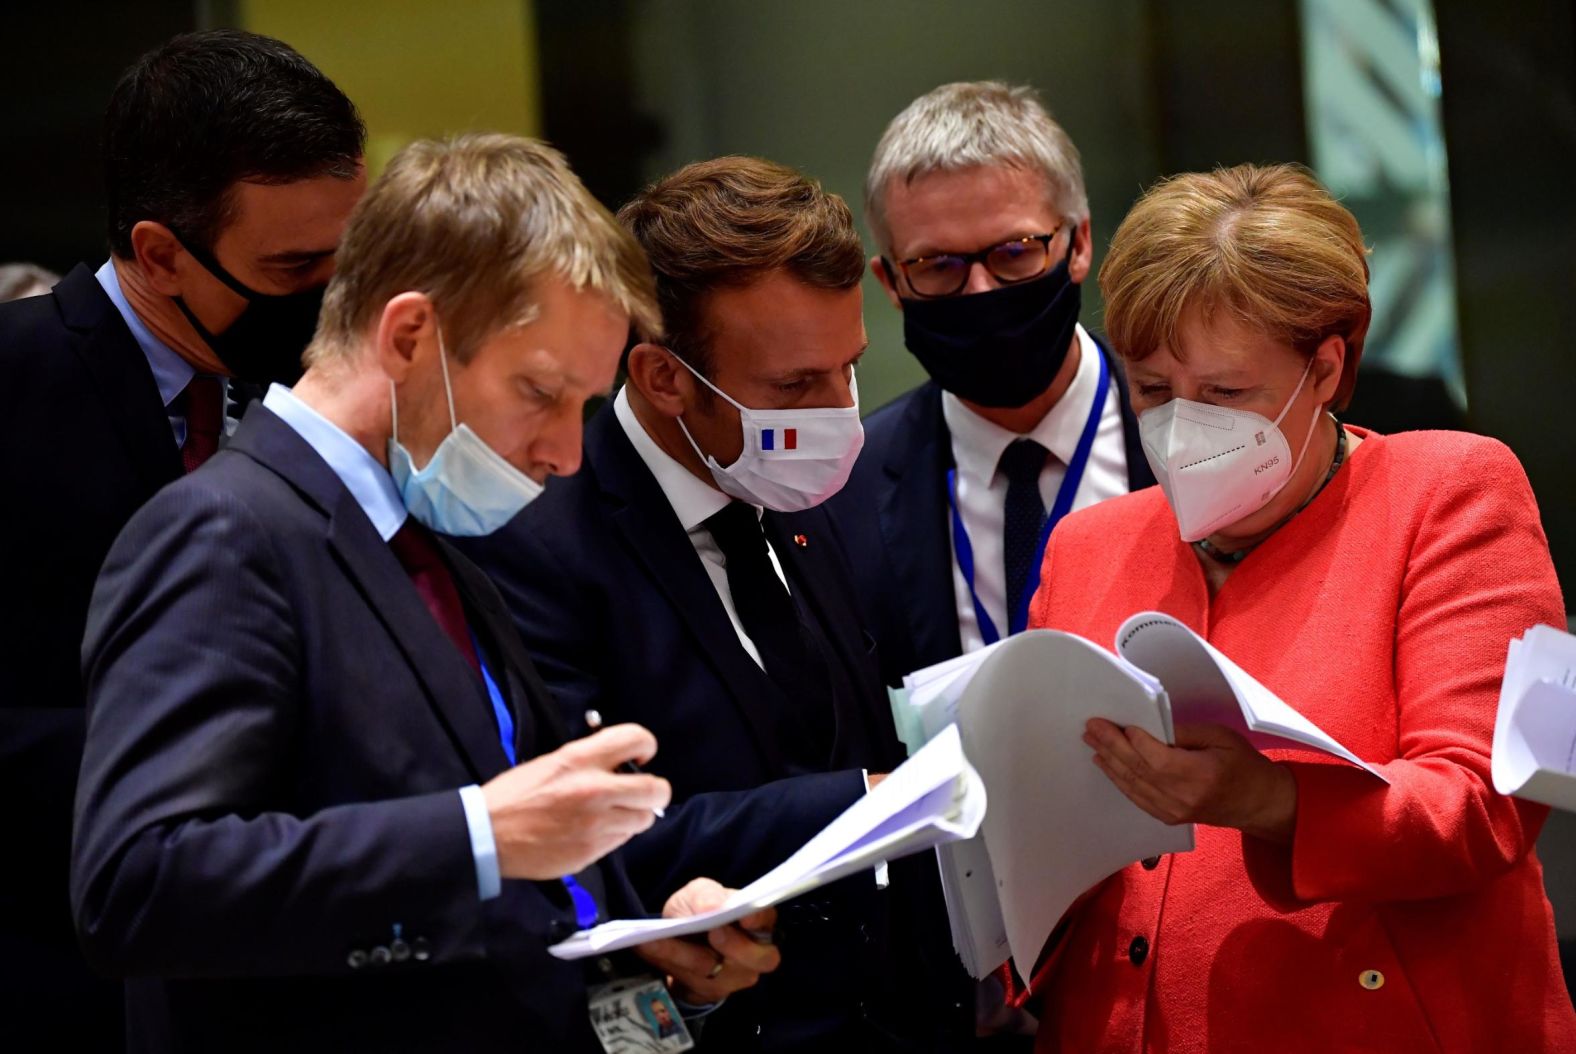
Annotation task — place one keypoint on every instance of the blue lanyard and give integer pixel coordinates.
(584, 902)
(1018, 619)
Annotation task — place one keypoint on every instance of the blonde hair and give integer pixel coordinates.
(472, 222)
(1266, 243)
(972, 124)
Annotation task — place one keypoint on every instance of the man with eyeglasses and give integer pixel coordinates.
(976, 201)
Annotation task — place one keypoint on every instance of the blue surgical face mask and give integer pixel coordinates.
(468, 488)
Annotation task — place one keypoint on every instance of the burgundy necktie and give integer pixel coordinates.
(419, 555)
(204, 406)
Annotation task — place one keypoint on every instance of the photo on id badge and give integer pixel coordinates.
(637, 1016)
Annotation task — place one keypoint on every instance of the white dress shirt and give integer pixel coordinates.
(693, 501)
(977, 446)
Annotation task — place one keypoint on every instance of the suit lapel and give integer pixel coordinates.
(916, 529)
(447, 679)
(120, 371)
(524, 687)
(644, 516)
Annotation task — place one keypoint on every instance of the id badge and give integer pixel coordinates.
(638, 1016)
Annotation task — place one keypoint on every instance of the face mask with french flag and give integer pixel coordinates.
(792, 459)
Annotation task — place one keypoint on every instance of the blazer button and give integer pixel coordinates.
(356, 959)
(1138, 951)
(420, 950)
(399, 950)
(1150, 862)
(380, 956)
(1372, 980)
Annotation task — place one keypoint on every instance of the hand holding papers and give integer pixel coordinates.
(1057, 825)
(1535, 730)
(934, 797)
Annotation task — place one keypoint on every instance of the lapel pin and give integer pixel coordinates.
(802, 541)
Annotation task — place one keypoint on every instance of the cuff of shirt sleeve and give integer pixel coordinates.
(694, 1013)
(489, 883)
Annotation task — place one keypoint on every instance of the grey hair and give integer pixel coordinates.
(970, 124)
(24, 279)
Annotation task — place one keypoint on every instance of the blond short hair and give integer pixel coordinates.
(1266, 243)
(472, 222)
(973, 124)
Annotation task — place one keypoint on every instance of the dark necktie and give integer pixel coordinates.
(419, 555)
(1022, 462)
(763, 603)
(203, 403)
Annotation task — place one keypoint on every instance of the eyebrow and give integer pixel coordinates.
(808, 372)
(298, 256)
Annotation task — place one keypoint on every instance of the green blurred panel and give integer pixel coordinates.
(414, 67)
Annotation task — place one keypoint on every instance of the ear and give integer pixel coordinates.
(657, 375)
(1083, 252)
(888, 280)
(159, 256)
(403, 332)
(1329, 358)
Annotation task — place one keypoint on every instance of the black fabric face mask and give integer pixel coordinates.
(1000, 348)
(266, 341)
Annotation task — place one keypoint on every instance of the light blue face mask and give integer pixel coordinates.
(468, 488)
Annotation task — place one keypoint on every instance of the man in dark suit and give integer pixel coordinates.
(688, 579)
(230, 159)
(976, 198)
(325, 802)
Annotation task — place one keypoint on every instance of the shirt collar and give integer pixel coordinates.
(170, 372)
(978, 444)
(694, 501)
(368, 481)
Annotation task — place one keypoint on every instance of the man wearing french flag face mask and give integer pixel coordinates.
(688, 578)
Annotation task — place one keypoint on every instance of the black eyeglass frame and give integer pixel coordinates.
(982, 256)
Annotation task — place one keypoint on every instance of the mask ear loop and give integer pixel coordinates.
(448, 390)
(706, 459)
(1312, 424)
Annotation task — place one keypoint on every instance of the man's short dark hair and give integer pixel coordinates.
(731, 221)
(204, 111)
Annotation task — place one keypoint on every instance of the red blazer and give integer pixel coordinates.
(1403, 918)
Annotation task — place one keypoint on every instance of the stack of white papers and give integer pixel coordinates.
(1057, 826)
(934, 797)
(1535, 729)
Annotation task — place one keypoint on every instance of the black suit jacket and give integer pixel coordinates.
(617, 610)
(84, 442)
(277, 731)
(894, 517)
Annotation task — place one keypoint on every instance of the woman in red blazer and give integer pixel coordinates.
(1372, 582)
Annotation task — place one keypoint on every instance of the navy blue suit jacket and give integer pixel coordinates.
(894, 518)
(84, 441)
(619, 614)
(277, 729)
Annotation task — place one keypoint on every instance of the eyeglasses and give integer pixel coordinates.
(1011, 262)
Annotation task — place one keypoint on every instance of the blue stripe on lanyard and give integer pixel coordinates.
(501, 712)
(585, 903)
(964, 551)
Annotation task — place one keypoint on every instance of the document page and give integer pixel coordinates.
(1535, 728)
(1206, 687)
(1056, 825)
(934, 797)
